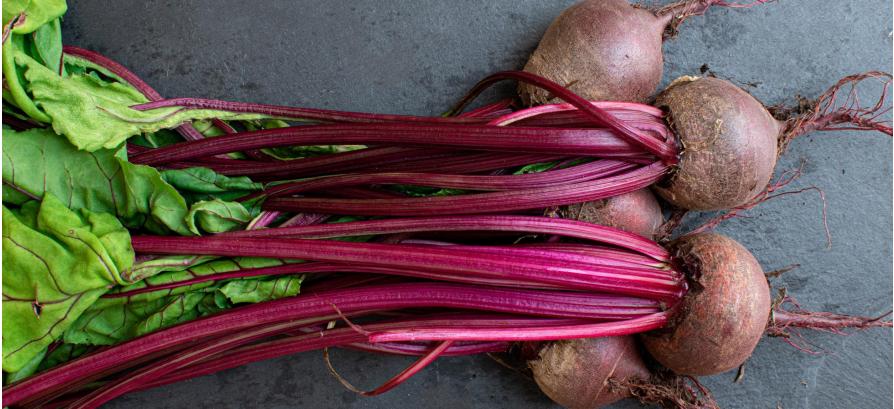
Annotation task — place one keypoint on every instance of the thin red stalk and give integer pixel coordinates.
(324, 164)
(601, 251)
(490, 202)
(664, 149)
(324, 267)
(656, 270)
(390, 159)
(411, 370)
(227, 129)
(489, 111)
(567, 141)
(553, 333)
(160, 368)
(304, 219)
(263, 220)
(369, 193)
(186, 130)
(565, 111)
(457, 349)
(580, 173)
(451, 261)
(313, 307)
(325, 339)
(527, 224)
(591, 252)
(595, 261)
(469, 163)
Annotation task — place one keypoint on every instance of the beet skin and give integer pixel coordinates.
(722, 317)
(728, 144)
(602, 50)
(575, 373)
(637, 212)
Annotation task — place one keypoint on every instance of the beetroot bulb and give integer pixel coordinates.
(729, 141)
(596, 372)
(637, 212)
(575, 373)
(608, 49)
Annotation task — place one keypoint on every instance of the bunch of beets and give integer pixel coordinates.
(148, 240)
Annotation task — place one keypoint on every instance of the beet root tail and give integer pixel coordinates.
(830, 113)
(675, 14)
(667, 390)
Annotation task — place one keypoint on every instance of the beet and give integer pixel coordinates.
(607, 49)
(575, 373)
(728, 142)
(637, 212)
(722, 317)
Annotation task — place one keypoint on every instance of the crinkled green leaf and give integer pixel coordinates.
(156, 203)
(112, 320)
(38, 161)
(253, 291)
(56, 263)
(205, 184)
(170, 270)
(217, 216)
(108, 323)
(95, 114)
(155, 265)
(47, 42)
(37, 13)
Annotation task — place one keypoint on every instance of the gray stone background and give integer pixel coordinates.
(417, 57)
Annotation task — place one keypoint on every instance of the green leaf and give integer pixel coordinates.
(48, 44)
(266, 289)
(37, 13)
(27, 370)
(109, 322)
(38, 161)
(95, 114)
(171, 270)
(205, 184)
(217, 216)
(56, 263)
(113, 320)
(156, 265)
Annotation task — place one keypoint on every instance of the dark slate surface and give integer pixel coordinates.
(417, 57)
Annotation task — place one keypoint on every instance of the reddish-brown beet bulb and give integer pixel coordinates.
(722, 317)
(637, 212)
(575, 373)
